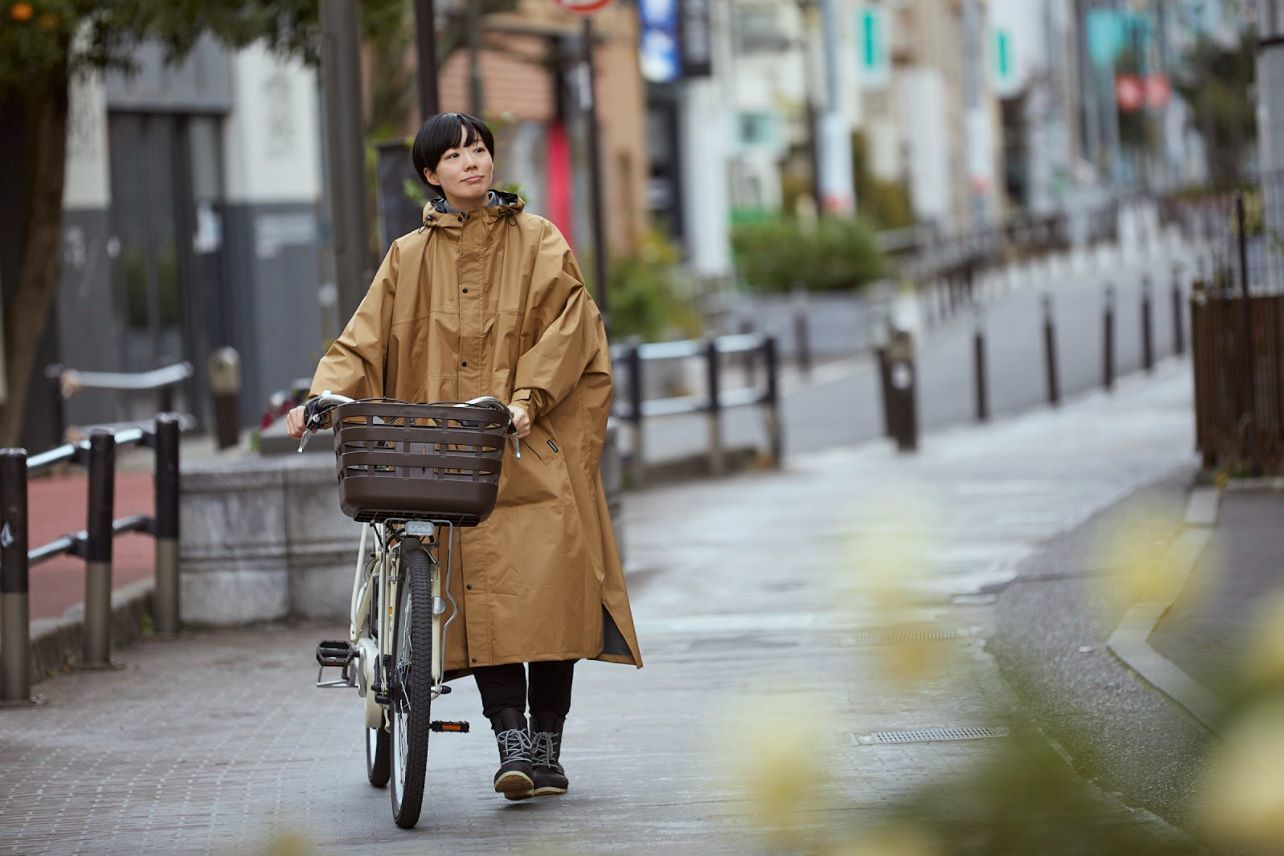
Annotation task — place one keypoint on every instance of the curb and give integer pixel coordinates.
(56, 643)
(1130, 641)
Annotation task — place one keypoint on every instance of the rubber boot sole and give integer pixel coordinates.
(547, 791)
(515, 785)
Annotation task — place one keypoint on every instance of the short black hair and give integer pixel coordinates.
(441, 133)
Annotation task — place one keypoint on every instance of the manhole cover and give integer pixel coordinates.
(931, 735)
(913, 634)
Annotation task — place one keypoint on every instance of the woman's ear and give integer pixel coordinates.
(431, 178)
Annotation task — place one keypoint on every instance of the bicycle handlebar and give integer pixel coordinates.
(316, 409)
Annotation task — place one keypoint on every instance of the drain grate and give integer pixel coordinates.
(931, 735)
(891, 637)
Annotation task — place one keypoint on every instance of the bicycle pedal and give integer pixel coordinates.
(335, 653)
(449, 727)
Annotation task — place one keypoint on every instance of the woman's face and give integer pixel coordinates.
(463, 173)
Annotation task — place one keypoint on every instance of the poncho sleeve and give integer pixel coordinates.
(354, 364)
(574, 339)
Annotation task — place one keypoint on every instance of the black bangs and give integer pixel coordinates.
(441, 133)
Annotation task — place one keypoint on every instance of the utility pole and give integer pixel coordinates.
(475, 102)
(345, 153)
(836, 185)
(426, 56)
(588, 96)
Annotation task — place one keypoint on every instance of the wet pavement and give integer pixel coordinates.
(752, 592)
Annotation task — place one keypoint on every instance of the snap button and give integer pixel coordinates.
(464, 364)
(469, 587)
(465, 291)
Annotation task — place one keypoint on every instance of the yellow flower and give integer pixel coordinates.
(21, 12)
(773, 750)
(892, 841)
(1242, 793)
(1264, 653)
(1136, 557)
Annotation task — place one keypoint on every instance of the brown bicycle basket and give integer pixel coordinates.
(422, 461)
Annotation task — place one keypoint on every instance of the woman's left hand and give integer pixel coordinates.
(521, 421)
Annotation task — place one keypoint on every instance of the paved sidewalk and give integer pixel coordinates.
(749, 591)
(1204, 631)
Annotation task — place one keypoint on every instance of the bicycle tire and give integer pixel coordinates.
(378, 755)
(410, 706)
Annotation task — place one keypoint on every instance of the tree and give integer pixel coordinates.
(1217, 83)
(42, 46)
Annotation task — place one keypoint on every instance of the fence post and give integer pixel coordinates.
(634, 362)
(978, 362)
(14, 611)
(1050, 352)
(1179, 340)
(714, 407)
(57, 405)
(1108, 340)
(775, 437)
(165, 526)
(97, 548)
(1147, 340)
(1249, 414)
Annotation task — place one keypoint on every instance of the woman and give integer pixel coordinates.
(486, 299)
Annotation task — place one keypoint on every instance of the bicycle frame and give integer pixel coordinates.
(379, 569)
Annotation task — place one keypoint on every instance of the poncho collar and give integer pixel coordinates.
(504, 206)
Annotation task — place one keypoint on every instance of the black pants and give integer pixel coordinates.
(505, 686)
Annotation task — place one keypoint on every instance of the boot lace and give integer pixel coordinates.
(514, 745)
(546, 748)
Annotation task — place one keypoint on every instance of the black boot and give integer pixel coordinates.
(546, 740)
(515, 778)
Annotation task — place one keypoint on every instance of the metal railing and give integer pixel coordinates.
(752, 347)
(93, 544)
(64, 383)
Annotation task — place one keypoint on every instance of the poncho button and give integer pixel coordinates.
(464, 364)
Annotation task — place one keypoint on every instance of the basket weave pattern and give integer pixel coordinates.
(418, 461)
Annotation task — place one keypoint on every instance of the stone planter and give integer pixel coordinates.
(263, 539)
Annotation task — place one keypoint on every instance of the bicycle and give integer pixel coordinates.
(406, 471)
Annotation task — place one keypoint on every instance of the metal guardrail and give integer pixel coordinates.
(64, 383)
(713, 402)
(93, 544)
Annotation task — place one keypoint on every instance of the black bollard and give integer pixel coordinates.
(714, 408)
(1179, 330)
(802, 335)
(775, 431)
(1050, 352)
(57, 404)
(225, 393)
(634, 363)
(15, 615)
(902, 387)
(1108, 340)
(978, 362)
(1147, 340)
(96, 549)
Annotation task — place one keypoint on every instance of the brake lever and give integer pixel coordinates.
(308, 431)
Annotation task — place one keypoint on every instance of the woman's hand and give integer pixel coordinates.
(294, 423)
(521, 421)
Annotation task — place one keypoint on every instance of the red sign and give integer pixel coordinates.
(1130, 92)
(1159, 91)
(583, 7)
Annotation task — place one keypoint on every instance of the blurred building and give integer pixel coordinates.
(190, 223)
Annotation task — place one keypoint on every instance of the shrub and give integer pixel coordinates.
(835, 253)
(646, 295)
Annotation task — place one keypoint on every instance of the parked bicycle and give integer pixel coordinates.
(409, 472)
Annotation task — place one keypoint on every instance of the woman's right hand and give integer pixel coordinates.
(294, 423)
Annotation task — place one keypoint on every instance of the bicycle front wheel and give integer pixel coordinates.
(411, 684)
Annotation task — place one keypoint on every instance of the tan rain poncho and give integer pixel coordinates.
(492, 302)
